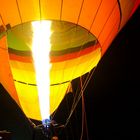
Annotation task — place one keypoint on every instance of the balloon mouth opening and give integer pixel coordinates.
(67, 40)
(66, 37)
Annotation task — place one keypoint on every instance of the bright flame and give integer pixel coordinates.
(41, 48)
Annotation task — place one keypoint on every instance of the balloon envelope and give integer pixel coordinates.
(81, 32)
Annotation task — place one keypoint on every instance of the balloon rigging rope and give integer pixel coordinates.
(75, 99)
(71, 130)
(80, 94)
(83, 112)
(84, 120)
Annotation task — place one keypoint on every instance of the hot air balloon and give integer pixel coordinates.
(45, 44)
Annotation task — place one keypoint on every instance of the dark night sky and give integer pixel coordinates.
(111, 97)
(114, 101)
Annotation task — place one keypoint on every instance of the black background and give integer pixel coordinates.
(114, 101)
